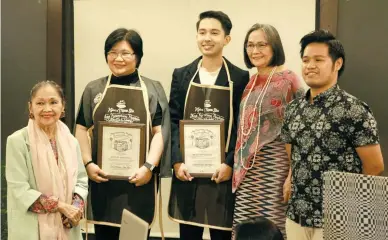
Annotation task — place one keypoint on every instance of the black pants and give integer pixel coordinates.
(189, 232)
(103, 232)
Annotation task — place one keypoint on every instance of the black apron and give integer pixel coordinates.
(108, 199)
(203, 202)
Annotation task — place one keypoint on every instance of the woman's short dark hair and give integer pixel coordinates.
(224, 19)
(273, 40)
(258, 229)
(44, 83)
(131, 37)
(336, 50)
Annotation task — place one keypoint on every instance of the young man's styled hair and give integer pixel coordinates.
(131, 37)
(273, 40)
(220, 16)
(336, 50)
(258, 228)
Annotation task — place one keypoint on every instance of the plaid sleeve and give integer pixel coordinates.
(78, 202)
(45, 204)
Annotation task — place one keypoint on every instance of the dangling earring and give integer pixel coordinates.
(63, 114)
(31, 116)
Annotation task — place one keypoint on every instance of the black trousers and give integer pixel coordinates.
(103, 232)
(189, 232)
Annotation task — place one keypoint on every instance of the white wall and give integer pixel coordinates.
(168, 31)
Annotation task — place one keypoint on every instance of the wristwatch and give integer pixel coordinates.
(149, 166)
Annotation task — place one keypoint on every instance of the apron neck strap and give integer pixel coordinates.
(224, 63)
(230, 99)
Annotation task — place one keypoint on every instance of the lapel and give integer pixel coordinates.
(222, 78)
(190, 71)
(27, 140)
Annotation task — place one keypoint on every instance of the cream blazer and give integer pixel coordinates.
(22, 190)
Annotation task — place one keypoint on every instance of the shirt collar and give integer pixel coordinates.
(322, 96)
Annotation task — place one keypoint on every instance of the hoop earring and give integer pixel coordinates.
(63, 114)
(31, 116)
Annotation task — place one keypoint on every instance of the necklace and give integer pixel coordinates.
(260, 97)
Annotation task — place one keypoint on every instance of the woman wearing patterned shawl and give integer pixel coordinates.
(260, 163)
(46, 180)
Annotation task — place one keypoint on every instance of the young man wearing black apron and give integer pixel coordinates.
(196, 203)
(124, 97)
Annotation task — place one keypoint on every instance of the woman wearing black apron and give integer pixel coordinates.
(144, 102)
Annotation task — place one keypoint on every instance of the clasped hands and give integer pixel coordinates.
(72, 214)
(223, 173)
(142, 176)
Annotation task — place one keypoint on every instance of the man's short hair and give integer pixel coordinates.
(336, 50)
(224, 19)
(258, 228)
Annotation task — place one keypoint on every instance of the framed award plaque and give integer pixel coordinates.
(121, 149)
(202, 145)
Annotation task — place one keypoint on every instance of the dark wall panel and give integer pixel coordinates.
(23, 60)
(363, 30)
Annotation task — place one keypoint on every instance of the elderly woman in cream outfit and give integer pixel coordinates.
(46, 180)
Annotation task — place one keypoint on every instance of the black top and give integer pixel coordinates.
(124, 80)
(324, 136)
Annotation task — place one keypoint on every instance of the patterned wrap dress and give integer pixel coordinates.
(261, 163)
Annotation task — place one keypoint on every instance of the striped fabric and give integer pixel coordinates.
(261, 192)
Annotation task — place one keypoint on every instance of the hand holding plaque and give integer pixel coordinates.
(202, 145)
(121, 149)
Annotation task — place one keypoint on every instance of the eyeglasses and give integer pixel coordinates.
(260, 46)
(124, 55)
